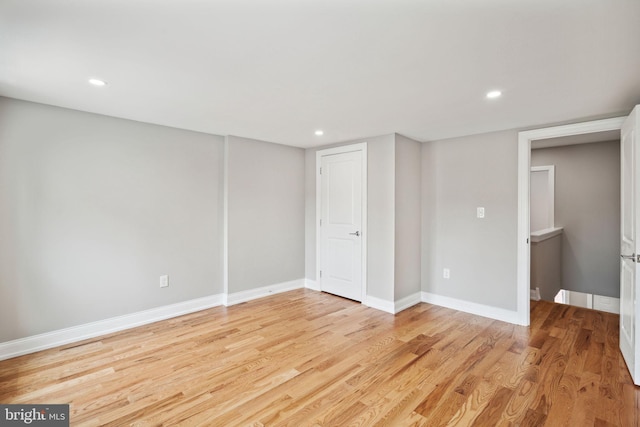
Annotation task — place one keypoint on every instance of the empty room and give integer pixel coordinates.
(322, 213)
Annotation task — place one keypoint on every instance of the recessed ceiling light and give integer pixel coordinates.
(319, 132)
(97, 82)
(494, 94)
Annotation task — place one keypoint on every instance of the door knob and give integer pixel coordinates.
(357, 233)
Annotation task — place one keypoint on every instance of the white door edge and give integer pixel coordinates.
(361, 146)
(629, 244)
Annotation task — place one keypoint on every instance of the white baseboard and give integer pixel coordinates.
(608, 304)
(534, 294)
(578, 299)
(390, 306)
(408, 301)
(52, 339)
(251, 294)
(596, 302)
(472, 307)
(379, 304)
(311, 284)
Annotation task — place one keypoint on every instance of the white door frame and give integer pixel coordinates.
(551, 190)
(362, 146)
(524, 168)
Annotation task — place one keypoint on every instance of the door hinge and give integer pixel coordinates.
(320, 273)
(527, 241)
(320, 171)
(320, 222)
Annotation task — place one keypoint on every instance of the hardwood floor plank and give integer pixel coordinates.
(477, 401)
(585, 408)
(398, 404)
(509, 370)
(518, 407)
(563, 399)
(493, 412)
(304, 358)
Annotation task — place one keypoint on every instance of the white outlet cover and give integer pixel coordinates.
(480, 212)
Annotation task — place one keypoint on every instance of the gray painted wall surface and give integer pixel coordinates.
(428, 204)
(381, 218)
(94, 209)
(381, 214)
(407, 216)
(546, 267)
(266, 213)
(459, 175)
(587, 205)
(310, 214)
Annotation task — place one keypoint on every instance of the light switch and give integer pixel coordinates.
(164, 281)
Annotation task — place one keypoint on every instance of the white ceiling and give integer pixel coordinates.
(279, 70)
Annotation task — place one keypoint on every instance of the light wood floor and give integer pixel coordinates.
(307, 358)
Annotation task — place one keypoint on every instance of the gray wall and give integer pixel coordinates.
(459, 175)
(94, 209)
(381, 214)
(546, 267)
(310, 214)
(428, 211)
(587, 205)
(381, 217)
(266, 213)
(407, 217)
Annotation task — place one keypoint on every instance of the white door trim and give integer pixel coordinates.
(524, 167)
(362, 146)
(551, 189)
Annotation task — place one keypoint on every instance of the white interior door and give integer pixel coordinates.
(341, 243)
(629, 239)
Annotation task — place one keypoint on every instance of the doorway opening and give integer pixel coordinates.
(525, 140)
(575, 220)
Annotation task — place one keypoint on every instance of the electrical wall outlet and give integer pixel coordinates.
(164, 281)
(480, 212)
(446, 273)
